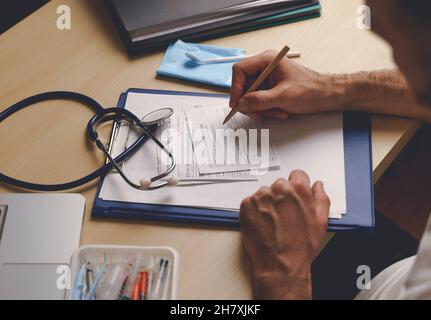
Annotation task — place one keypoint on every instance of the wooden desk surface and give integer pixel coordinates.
(35, 56)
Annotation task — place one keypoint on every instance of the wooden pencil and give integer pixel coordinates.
(265, 74)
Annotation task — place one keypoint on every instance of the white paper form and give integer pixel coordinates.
(174, 134)
(312, 143)
(241, 144)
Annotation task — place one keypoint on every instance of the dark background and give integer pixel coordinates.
(12, 11)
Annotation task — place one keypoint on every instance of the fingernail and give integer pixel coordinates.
(320, 184)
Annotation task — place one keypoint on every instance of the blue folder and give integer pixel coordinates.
(359, 184)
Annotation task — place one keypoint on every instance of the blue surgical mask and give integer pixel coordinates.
(177, 65)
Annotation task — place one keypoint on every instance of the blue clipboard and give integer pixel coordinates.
(359, 184)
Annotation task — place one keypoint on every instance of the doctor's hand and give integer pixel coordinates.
(283, 227)
(290, 89)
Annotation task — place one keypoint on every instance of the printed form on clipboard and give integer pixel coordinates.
(311, 143)
(240, 145)
(204, 149)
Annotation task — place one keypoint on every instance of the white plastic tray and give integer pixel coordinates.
(123, 252)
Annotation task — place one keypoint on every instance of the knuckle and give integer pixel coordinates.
(298, 172)
(323, 221)
(262, 199)
(288, 190)
(262, 193)
(297, 183)
(289, 196)
(255, 199)
(322, 212)
(280, 185)
(245, 204)
(326, 199)
(268, 56)
(264, 190)
(300, 187)
(245, 212)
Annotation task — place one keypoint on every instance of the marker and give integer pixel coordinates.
(160, 277)
(166, 284)
(136, 293)
(89, 277)
(79, 283)
(143, 285)
(93, 288)
(150, 271)
(131, 281)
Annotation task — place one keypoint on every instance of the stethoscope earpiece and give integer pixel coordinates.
(145, 184)
(173, 181)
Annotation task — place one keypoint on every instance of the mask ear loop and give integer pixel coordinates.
(145, 183)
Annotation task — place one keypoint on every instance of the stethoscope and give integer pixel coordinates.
(147, 124)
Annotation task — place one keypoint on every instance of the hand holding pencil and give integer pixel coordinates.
(261, 78)
(289, 89)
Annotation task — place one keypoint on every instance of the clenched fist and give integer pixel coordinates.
(282, 230)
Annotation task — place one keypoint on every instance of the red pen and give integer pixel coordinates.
(136, 293)
(143, 280)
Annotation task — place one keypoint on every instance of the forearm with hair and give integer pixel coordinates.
(383, 92)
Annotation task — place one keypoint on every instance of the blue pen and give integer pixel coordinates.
(79, 283)
(93, 288)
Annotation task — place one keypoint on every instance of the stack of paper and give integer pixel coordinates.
(312, 143)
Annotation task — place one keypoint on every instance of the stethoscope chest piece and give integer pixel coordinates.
(157, 116)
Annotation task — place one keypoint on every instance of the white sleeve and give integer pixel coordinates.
(418, 282)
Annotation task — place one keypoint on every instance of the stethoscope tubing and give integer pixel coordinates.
(98, 109)
(125, 115)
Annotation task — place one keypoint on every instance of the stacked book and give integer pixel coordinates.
(152, 24)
